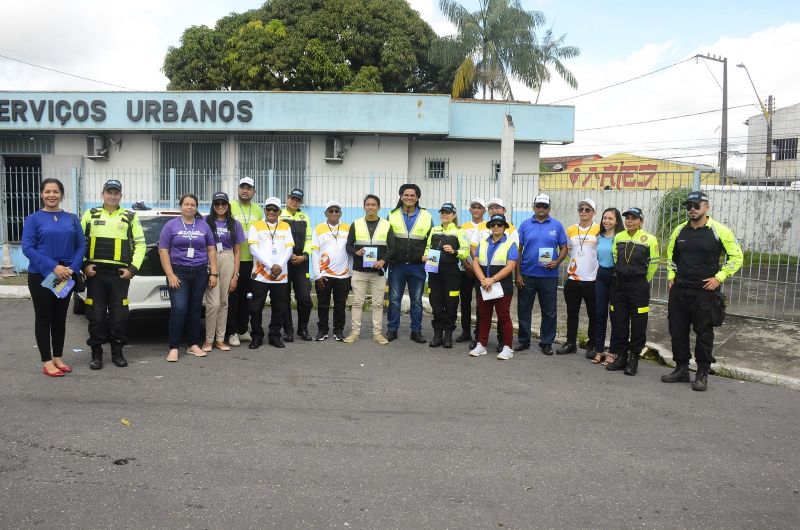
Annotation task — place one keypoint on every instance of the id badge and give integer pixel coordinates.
(219, 246)
(274, 251)
(190, 252)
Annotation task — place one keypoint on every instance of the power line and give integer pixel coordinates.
(61, 72)
(662, 119)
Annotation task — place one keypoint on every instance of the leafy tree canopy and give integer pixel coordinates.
(354, 45)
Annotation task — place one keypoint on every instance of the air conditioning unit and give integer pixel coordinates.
(333, 149)
(96, 148)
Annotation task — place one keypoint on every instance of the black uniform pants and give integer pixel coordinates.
(467, 288)
(445, 287)
(107, 307)
(576, 292)
(299, 282)
(50, 320)
(278, 293)
(339, 288)
(238, 314)
(689, 309)
(630, 305)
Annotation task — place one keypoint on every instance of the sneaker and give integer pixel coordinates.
(233, 340)
(479, 350)
(321, 335)
(338, 336)
(245, 337)
(506, 354)
(380, 339)
(351, 338)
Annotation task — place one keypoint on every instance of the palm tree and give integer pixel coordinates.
(551, 52)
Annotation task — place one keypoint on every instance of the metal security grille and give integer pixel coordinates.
(19, 197)
(26, 145)
(276, 164)
(197, 165)
(436, 168)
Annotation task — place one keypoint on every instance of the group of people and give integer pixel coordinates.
(239, 255)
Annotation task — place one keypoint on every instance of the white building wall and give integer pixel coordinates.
(785, 124)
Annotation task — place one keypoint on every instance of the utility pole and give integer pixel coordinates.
(723, 143)
(769, 137)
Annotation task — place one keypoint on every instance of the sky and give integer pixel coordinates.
(123, 43)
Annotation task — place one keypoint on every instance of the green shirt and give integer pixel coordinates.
(246, 215)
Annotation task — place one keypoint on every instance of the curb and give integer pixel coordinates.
(14, 291)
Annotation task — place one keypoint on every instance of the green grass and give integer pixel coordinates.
(766, 258)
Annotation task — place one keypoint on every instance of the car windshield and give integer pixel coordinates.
(152, 227)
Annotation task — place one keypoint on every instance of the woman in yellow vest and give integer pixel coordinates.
(447, 246)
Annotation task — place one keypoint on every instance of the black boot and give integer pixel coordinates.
(116, 355)
(568, 347)
(465, 336)
(701, 379)
(619, 363)
(590, 352)
(418, 337)
(633, 363)
(97, 358)
(391, 335)
(679, 375)
(447, 341)
(437, 339)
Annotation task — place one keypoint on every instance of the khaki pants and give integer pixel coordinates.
(363, 283)
(216, 299)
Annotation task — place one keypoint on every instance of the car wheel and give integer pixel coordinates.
(78, 305)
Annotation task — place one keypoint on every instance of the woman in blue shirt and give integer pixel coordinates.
(53, 241)
(611, 226)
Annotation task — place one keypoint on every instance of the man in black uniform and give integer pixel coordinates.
(694, 279)
(299, 280)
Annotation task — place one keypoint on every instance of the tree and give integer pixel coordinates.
(311, 45)
(551, 52)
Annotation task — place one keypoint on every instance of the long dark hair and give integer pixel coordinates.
(618, 226)
(197, 214)
(211, 219)
(47, 181)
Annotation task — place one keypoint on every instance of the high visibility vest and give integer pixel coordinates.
(114, 238)
(410, 245)
(499, 260)
(379, 237)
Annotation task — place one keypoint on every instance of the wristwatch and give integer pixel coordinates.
(215, 274)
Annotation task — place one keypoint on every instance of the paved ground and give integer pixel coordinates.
(327, 435)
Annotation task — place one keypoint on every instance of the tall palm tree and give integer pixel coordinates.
(551, 52)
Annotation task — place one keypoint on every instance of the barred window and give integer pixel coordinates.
(285, 156)
(785, 149)
(198, 168)
(437, 168)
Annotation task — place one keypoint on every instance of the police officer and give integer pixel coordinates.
(115, 248)
(635, 263)
(299, 280)
(694, 279)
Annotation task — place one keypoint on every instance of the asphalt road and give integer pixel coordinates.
(328, 435)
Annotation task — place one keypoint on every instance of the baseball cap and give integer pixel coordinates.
(247, 181)
(112, 184)
(697, 196)
(297, 193)
(542, 199)
(330, 204)
(588, 201)
(273, 201)
(636, 212)
(495, 201)
(220, 196)
(477, 200)
(448, 207)
(497, 218)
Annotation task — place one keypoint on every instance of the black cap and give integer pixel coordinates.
(497, 218)
(636, 212)
(448, 207)
(414, 187)
(697, 196)
(297, 193)
(112, 184)
(220, 196)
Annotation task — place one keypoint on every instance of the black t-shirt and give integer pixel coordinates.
(696, 254)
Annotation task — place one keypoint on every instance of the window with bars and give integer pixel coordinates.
(436, 168)
(198, 168)
(496, 169)
(285, 156)
(785, 149)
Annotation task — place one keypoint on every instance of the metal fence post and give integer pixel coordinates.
(271, 183)
(459, 190)
(372, 182)
(76, 204)
(696, 181)
(172, 188)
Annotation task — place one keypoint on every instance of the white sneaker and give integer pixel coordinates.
(233, 340)
(479, 350)
(245, 337)
(506, 354)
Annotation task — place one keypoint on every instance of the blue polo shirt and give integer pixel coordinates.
(513, 253)
(410, 219)
(540, 238)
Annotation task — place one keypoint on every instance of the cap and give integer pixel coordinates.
(448, 207)
(588, 201)
(542, 199)
(247, 181)
(497, 218)
(636, 212)
(273, 201)
(297, 193)
(495, 201)
(414, 187)
(220, 196)
(329, 204)
(697, 196)
(112, 184)
(477, 200)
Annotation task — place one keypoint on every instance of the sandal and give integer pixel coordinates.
(598, 358)
(610, 358)
(222, 346)
(206, 347)
(173, 355)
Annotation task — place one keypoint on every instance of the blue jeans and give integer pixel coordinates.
(186, 303)
(400, 275)
(603, 286)
(547, 290)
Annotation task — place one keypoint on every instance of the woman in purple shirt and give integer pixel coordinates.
(53, 241)
(188, 252)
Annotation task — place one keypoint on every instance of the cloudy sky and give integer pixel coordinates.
(123, 44)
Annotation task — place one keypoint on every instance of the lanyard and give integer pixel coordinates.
(336, 234)
(582, 240)
(246, 219)
(189, 235)
(272, 233)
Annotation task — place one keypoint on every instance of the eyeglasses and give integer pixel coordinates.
(271, 209)
(495, 225)
(692, 206)
(542, 205)
(334, 210)
(585, 210)
(220, 203)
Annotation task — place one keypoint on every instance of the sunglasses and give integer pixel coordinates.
(334, 210)
(692, 206)
(220, 203)
(272, 210)
(585, 210)
(494, 225)
(543, 206)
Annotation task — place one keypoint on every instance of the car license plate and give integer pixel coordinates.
(164, 293)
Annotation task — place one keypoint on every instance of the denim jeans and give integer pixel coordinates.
(186, 303)
(603, 286)
(547, 290)
(401, 274)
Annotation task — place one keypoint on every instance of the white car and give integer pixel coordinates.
(148, 292)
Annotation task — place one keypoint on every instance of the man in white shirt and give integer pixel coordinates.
(332, 268)
(477, 209)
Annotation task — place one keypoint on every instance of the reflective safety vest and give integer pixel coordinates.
(453, 236)
(379, 237)
(114, 238)
(499, 260)
(410, 245)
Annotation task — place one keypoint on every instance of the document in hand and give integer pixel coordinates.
(370, 256)
(495, 291)
(60, 288)
(432, 265)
